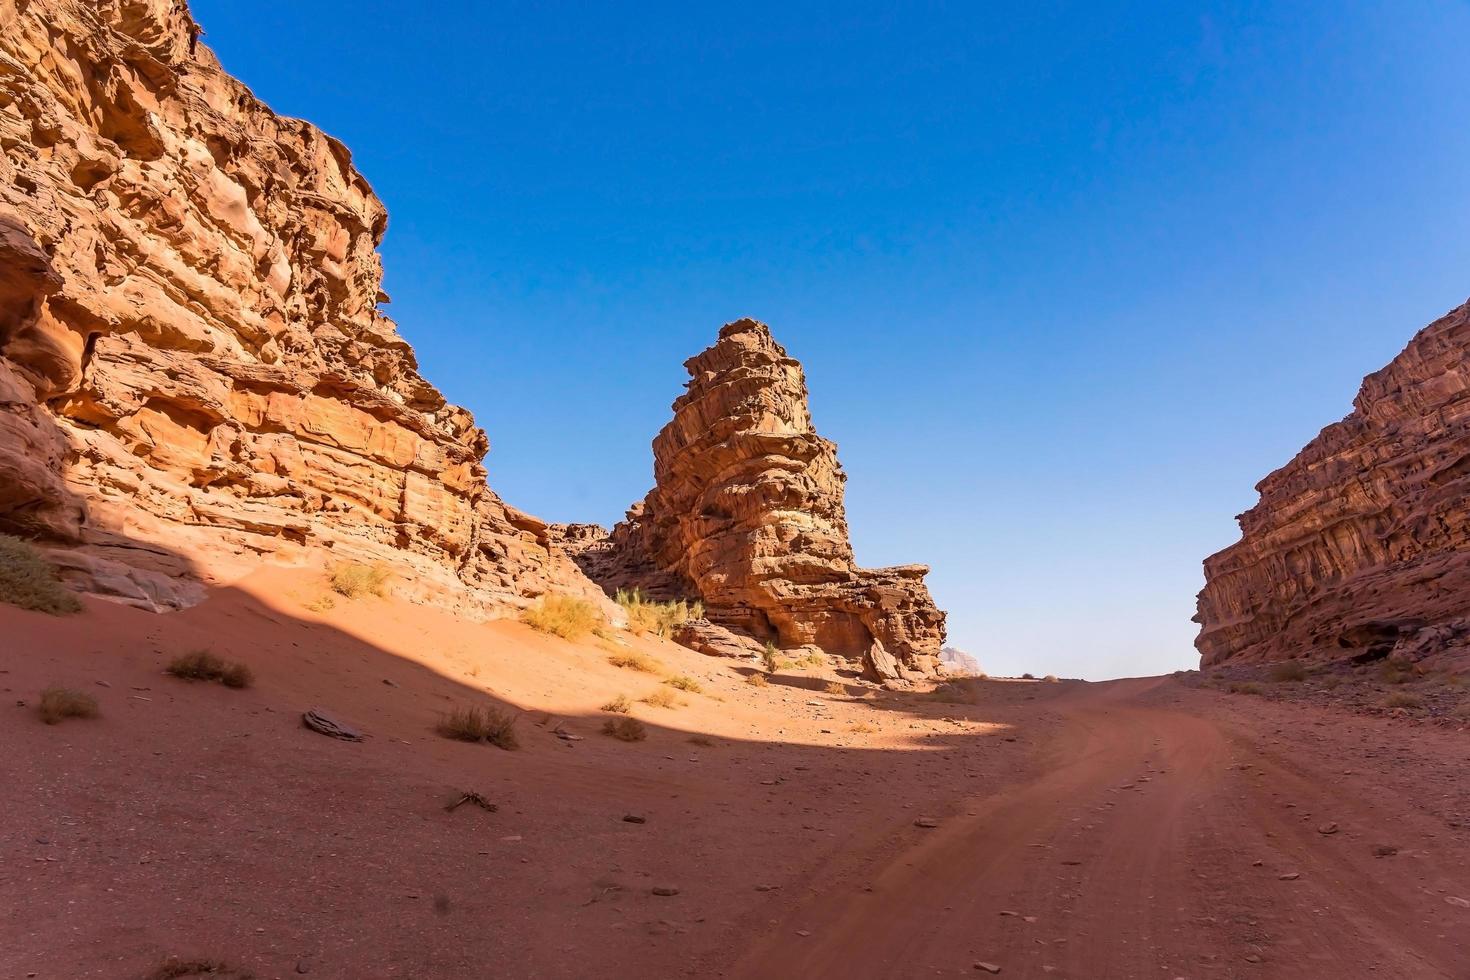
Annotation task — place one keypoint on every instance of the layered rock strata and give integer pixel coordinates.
(747, 514)
(196, 372)
(1360, 546)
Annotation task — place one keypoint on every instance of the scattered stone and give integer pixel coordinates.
(1327, 829)
(1290, 876)
(928, 823)
(319, 721)
(987, 967)
(1461, 903)
(665, 891)
(1385, 850)
(634, 818)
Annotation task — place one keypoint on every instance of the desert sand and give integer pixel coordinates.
(1136, 828)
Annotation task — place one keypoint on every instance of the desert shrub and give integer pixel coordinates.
(701, 740)
(685, 683)
(201, 665)
(771, 657)
(175, 968)
(618, 705)
(952, 692)
(1248, 687)
(60, 703)
(565, 616)
(757, 680)
(479, 724)
(351, 579)
(1052, 679)
(659, 618)
(861, 728)
(811, 660)
(662, 699)
(1288, 670)
(29, 581)
(633, 660)
(832, 687)
(1028, 677)
(625, 729)
(1402, 699)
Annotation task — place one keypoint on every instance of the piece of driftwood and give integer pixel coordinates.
(319, 721)
(470, 796)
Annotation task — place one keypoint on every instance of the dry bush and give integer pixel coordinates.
(29, 581)
(201, 665)
(352, 579)
(175, 968)
(565, 616)
(659, 618)
(1248, 687)
(60, 703)
(1028, 677)
(482, 724)
(861, 728)
(625, 729)
(952, 692)
(1052, 679)
(685, 683)
(832, 687)
(770, 657)
(701, 740)
(662, 699)
(618, 705)
(757, 680)
(634, 661)
(322, 603)
(1288, 671)
(1402, 699)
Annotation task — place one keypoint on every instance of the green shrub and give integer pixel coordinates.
(659, 618)
(60, 703)
(565, 616)
(29, 581)
(352, 579)
(771, 657)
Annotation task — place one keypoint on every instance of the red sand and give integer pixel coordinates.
(200, 822)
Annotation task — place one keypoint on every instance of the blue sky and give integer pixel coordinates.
(1067, 278)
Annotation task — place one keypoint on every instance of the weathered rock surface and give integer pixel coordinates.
(1361, 544)
(195, 369)
(747, 514)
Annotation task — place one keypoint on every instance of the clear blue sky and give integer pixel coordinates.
(1068, 279)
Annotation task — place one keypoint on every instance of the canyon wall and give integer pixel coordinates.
(1360, 546)
(747, 514)
(196, 374)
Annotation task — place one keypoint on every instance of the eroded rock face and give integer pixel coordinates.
(747, 514)
(195, 369)
(1361, 544)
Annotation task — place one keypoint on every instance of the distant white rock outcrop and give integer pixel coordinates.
(956, 661)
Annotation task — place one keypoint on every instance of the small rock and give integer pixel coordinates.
(1461, 903)
(634, 818)
(302, 966)
(1009, 912)
(1290, 876)
(803, 933)
(987, 967)
(1327, 829)
(665, 891)
(1385, 850)
(928, 823)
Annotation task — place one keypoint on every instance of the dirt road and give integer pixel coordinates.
(1159, 841)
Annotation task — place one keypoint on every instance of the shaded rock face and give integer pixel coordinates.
(747, 514)
(195, 369)
(1361, 544)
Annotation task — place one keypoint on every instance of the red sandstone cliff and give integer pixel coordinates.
(1361, 544)
(195, 369)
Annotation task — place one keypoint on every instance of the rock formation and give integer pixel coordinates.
(747, 514)
(1361, 544)
(195, 369)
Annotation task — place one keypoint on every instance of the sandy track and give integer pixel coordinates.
(1154, 844)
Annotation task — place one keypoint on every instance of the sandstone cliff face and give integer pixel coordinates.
(1361, 544)
(195, 370)
(747, 514)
